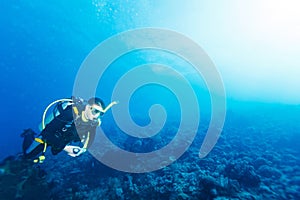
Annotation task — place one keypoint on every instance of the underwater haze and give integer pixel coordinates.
(215, 82)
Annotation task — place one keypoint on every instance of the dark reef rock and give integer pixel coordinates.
(250, 179)
(259, 162)
(21, 180)
(268, 172)
(243, 173)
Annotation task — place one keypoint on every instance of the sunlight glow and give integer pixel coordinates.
(255, 44)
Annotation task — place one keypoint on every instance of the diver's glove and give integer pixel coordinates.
(74, 151)
(78, 151)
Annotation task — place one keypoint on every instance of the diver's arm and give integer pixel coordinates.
(110, 105)
(76, 150)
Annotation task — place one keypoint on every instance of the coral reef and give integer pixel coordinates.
(245, 164)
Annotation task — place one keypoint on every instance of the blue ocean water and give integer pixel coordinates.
(42, 47)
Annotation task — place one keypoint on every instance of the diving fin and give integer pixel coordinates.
(29, 136)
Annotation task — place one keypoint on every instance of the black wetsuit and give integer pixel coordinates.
(65, 128)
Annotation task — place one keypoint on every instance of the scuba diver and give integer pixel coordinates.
(74, 120)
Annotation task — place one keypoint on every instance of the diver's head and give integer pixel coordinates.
(95, 108)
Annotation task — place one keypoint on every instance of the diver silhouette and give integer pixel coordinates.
(73, 120)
